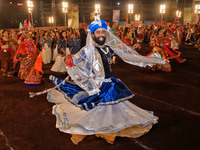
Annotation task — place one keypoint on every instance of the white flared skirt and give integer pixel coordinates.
(59, 64)
(102, 119)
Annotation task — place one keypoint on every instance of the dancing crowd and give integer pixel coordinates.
(20, 48)
(23, 51)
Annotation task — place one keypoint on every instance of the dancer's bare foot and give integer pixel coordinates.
(10, 76)
(110, 142)
(110, 137)
(77, 138)
(183, 60)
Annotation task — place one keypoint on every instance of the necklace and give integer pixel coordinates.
(28, 49)
(105, 51)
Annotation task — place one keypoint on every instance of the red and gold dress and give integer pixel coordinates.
(157, 44)
(6, 58)
(126, 41)
(172, 53)
(30, 64)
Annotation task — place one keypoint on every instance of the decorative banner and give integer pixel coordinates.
(194, 18)
(73, 17)
(187, 15)
(116, 16)
(148, 22)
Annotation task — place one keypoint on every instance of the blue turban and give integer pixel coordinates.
(95, 25)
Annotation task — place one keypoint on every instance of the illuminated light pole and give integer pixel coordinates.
(51, 20)
(53, 7)
(137, 17)
(162, 11)
(97, 10)
(197, 10)
(64, 9)
(130, 10)
(30, 9)
(178, 14)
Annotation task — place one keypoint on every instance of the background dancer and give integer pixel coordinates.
(30, 64)
(6, 55)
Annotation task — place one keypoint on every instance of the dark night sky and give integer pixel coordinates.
(58, 1)
(6, 12)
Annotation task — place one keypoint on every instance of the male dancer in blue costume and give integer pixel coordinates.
(97, 103)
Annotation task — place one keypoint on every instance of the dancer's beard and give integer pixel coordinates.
(99, 42)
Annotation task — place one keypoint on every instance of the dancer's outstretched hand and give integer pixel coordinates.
(69, 61)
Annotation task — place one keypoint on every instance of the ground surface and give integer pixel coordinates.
(27, 124)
